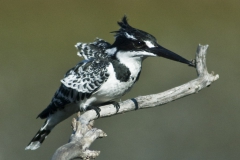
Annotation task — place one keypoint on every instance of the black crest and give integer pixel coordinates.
(125, 27)
(133, 33)
(124, 24)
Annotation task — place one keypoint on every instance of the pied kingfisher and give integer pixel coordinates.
(107, 73)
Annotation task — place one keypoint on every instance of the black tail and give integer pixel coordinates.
(59, 100)
(51, 108)
(38, 139)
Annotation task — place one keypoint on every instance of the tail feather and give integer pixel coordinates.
(38, 139)
(47, 111)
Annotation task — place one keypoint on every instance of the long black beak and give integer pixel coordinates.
(163, 52)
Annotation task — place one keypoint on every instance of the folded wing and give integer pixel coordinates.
(95, 49)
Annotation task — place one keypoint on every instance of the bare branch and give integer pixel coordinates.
(82, 137)
(84, 134)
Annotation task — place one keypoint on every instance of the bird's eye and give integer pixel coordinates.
(138, 44)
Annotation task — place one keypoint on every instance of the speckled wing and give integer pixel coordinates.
(87, 76)
(79, 83)
(93, 50)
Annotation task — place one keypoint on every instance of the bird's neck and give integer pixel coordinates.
(134, 64)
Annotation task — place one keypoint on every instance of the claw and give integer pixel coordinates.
(96, 109)
(116, 105)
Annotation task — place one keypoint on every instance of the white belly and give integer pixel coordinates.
(111, 89)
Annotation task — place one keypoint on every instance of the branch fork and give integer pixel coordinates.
(84, 134)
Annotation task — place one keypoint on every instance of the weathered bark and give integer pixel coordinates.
(84, 134)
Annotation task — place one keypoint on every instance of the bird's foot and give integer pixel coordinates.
(135, 103)
(96, 109)
(116, 105)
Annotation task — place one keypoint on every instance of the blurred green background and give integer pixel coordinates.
(37, 41)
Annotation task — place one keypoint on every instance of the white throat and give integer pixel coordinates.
(133, 63)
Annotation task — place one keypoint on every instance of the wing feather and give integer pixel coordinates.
(79, 83)
(88, 76)
(92, 50)
(83, 79)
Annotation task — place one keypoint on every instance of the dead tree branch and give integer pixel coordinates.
(84, 134)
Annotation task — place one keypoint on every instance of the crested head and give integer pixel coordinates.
(127, 32)
(132, 43)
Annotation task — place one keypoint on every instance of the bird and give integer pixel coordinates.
(107, 72)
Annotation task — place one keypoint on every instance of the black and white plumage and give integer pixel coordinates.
(108, 72)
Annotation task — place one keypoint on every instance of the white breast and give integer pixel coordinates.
(113, 88)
